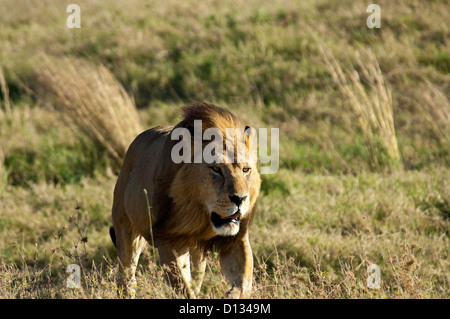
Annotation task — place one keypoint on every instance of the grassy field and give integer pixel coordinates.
(364, 121)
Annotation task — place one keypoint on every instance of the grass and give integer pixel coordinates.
(320, 249)
(373, 111)
(364, 139)
(93, 99)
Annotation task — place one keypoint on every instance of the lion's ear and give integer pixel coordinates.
(250, 143)
(250, 136)
(249, 131)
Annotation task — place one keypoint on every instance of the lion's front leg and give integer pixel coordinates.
(237, 266)
(177, 268)
(198, 262)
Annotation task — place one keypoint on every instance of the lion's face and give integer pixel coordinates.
(217, 193)
(227, 195)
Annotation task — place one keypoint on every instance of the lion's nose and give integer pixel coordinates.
(237, 199)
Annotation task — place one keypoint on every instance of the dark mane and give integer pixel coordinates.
(210, 115)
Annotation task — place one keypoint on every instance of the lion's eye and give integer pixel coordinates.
(246, 169)
(215, 169)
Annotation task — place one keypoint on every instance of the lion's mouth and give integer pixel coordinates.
(219, 221)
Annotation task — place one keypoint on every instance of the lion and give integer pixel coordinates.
(194, 207)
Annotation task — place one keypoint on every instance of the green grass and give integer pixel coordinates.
(330, 210)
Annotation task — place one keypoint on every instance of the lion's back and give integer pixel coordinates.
(143, 162)
(149, 143)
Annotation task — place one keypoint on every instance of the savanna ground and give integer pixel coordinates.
(364, 123)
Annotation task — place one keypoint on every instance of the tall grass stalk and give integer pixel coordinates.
(372, 107)
(5, 94)
(151, 227)
(93, 99)
(436, 109)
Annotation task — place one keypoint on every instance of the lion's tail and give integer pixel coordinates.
(112, 234)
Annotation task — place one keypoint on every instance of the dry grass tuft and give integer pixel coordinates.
(7, 106)
(372, 106)
(436, 110)
(5, 94)
(93, 99)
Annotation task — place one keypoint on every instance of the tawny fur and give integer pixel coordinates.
(181, 197)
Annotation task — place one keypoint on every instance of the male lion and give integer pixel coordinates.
(195, 207)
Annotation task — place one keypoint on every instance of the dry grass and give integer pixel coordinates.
(5, 93)
(436, 109)
(5, 107)
(320, 249)
(93, 99)
(372, 106)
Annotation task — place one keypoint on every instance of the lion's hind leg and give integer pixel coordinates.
(129, 247)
